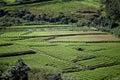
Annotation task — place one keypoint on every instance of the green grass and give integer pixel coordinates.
(62, 56)
(39, 26)
(55, 33)
(59, 52)
(96, 74)
(33, 43)
(12, 34)
(55, 7)
(14, 50)
(98, 61)
(2, 42)
(86, 38)
(10, 1)
(69, 7)
(103, 49)
(47, 33)
(37, 61)
(92, 3)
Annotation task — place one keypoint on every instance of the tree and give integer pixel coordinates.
(18, 72)
(113, 9)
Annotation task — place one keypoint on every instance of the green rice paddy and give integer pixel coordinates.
(78, 55)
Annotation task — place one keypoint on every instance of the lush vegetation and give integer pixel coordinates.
(109, 20)
(40, 13)
(95, 58)
(103, 14)
(69, 38)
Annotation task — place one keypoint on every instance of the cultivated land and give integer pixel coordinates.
(55, 6)
(78, 53)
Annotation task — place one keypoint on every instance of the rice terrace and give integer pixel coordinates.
(69, 44)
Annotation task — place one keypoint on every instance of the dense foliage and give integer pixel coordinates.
(18, 72)
(110, 16)
(113, 9)
(89, 57)
(23, 17)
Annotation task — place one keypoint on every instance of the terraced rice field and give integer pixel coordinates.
(86, 38)
(78, 55)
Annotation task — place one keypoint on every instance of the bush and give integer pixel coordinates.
(18, 72)
(23, 17)
(116, 31)
(83, 22)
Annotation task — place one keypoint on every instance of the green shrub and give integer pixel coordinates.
(116, 31)
(83, 22)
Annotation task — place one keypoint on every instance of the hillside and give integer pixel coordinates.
(54, 6)
(82, 12)
(59, 40)
(54, 11)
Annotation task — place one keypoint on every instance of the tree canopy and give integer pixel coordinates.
(113, 9)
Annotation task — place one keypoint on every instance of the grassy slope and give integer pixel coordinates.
(55, 7)
(8, 1)
(39, 26)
